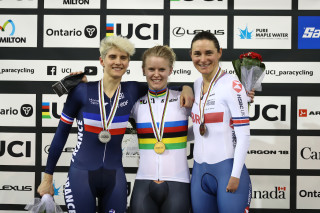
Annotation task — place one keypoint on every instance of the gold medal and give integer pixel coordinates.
(202, 129)
(159, 147)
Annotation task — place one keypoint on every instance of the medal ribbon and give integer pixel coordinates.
(106, 122)
(212, 83)
(158, 133)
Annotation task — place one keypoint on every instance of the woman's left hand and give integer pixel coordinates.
(84, 78)
(186, 97)
(233, 184)
(251, 95)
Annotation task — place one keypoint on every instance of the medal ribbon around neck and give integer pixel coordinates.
(106, 122)
(158, 133)
(212, 83)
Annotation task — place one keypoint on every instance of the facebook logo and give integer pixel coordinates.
(308, 32)
(51, 70)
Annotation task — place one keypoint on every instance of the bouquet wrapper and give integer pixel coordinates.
(44, 205)
(252, 77)
(250, 71)
(67, 83)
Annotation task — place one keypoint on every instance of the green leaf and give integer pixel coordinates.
(237, 67)
(253, 62)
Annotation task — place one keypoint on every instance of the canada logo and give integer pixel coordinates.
(237, 86)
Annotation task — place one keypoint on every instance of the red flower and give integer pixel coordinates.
(251, 55)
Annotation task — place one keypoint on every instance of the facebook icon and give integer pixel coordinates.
(51, 70)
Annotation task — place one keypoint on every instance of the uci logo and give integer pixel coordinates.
(47, 112)
(144, 27)
(265, 112)
(13, 150)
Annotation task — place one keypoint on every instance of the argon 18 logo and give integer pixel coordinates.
(303, 112)
(237, 86)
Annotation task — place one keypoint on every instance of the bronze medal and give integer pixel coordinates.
(104, 136)
(202, 129)
(159, 147)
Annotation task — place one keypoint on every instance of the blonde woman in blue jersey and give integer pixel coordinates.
(162, 183)
(220, 181)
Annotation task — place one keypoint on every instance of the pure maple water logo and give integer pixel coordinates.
(56, 189)
(245, 33)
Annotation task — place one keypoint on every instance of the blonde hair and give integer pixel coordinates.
(119, 42)
(160, 51)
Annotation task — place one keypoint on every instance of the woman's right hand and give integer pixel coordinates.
(46, 186)
(84, 79)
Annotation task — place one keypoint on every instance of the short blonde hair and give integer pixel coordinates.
(119, 42)
(160, 51)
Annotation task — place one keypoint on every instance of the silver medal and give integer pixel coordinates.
(104, 136)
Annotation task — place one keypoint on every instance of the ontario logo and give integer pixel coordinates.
(245, 33)
(11, 39)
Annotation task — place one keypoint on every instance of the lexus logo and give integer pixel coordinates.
(178, 31)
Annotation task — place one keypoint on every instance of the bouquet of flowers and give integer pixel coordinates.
(44, 205)
(250, 70)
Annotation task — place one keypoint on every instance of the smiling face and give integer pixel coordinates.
(115, 63)
(205, 56)
(157, 71)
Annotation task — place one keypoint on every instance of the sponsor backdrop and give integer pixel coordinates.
(41, 41)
